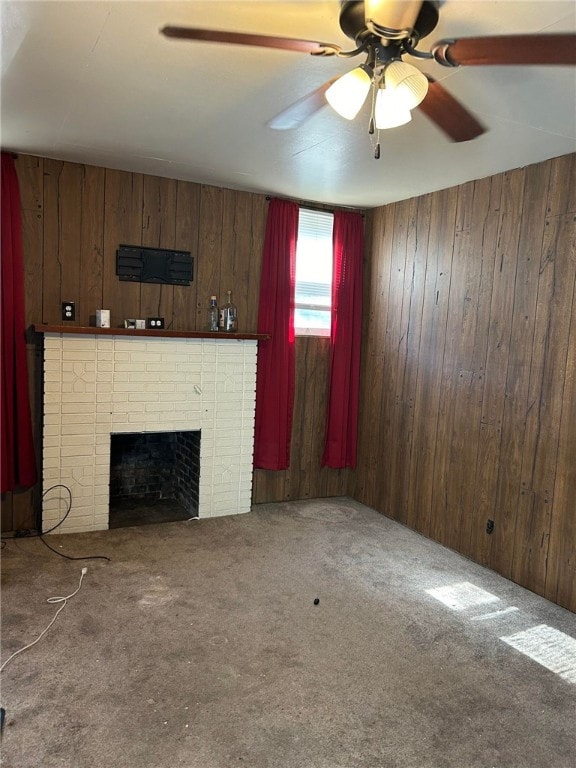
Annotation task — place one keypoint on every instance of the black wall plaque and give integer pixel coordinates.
(154, 265)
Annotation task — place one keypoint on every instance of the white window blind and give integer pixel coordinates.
(313, 295)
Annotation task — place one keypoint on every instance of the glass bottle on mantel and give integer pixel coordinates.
(213, 314)
(229, 315)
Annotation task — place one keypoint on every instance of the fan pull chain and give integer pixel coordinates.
(377, 147)
(371, 124)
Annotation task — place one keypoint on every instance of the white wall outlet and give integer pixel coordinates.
(68, 310)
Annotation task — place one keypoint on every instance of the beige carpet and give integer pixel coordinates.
(199, 646)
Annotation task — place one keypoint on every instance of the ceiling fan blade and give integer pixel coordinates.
(303, 109)
(449, 114)
(508, 49)
(241, 38)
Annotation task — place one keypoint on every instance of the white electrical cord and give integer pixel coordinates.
(52, 601)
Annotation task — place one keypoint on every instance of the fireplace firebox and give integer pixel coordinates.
(154, 477)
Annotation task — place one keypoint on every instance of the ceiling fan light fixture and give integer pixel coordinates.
(389, 112)
(409, 84)
(347, 95)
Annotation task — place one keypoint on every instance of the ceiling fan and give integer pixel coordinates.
(384, 32)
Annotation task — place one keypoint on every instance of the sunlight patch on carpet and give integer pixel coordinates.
(461, 596)
(549, 647)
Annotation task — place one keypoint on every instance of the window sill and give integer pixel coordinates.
(321, 332)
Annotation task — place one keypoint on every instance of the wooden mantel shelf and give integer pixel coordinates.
(93, 331)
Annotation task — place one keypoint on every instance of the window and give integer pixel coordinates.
(313, 297)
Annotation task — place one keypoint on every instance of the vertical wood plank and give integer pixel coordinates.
(562, 190)
(70, 234)
(437, 290)
(517, 377)
(422, 232)
(158, 231)
(31, 182)
(377, 277)
(18, 510)
(228, 247)
(561, 572)
(186, 239)
(91, 244)
(417, 250)
(473, 540)
(334, 482)
(252, 259)
(52, 265)
(298, 476)
(122, 226)
(6, 513)
(243, 264)
(355, 479)
(498, 347)
(451, 432)
(313, 361)
(509, 473)
(395, 349)
(209, 249)
(269, 486)
(23, 517)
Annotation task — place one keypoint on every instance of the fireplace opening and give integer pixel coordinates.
(154, 477)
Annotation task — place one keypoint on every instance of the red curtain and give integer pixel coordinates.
(345, 340)
(18, 462)
(275, 378)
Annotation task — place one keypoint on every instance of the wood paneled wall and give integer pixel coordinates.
(305, 479)
(74, 218)
(468, 398)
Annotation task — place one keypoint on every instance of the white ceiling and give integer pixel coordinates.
(95, 82)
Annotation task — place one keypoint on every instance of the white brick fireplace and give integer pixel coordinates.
(98, 385)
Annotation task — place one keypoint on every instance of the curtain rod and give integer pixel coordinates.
(317, 206)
